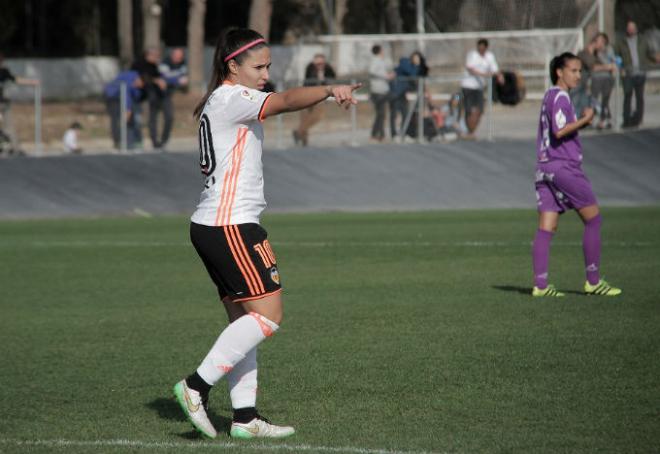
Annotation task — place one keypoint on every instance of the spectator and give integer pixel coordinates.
(134, 94)
(479, 65)
(380, 73)
(175, 73)
(449, 120)
(70, 138)
(602, 79)
(405, 80)
(580, 95)
(318, 72)
(5, 104)
(154, 91)
(636, 56)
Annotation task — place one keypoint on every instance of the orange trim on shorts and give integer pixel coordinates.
(254, 298)
(230, 180)
(262, 254)
(261, 117)
(246, 263)
(269, 251)
(238, 261)
(265, 327)
(248, 259)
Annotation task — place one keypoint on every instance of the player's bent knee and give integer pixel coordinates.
(268, 326)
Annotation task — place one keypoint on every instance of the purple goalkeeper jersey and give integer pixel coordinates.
(556, 112)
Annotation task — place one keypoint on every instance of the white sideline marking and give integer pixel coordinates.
(207, 445)
(330, 244)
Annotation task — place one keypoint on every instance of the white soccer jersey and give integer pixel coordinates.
(230, 147)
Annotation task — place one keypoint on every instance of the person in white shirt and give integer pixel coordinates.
(380, 74)
(70, 138)
(225, 228)
(480, 64)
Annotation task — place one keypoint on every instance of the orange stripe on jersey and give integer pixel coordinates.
(228, 179)
(234, 184)
(237, 259)
(262, 111)
(249, 261)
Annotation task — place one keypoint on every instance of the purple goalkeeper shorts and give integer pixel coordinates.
(561, 186)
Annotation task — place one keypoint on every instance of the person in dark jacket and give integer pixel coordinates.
(134, 92)
(318, 72)
(405, 80)
(175, 73)
(155, 88)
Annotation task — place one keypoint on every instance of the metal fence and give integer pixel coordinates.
(352, 128)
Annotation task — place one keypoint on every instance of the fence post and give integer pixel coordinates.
(354, 141)
(490, 109)
(123, 133)
(37, 119)
(280, 121)
(617, 106)
(420, 110)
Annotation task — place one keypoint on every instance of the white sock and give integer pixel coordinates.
(233, 344)
(242, 381)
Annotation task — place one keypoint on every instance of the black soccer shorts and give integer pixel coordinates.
(239, 260)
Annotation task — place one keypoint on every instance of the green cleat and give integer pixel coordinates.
(259, 428)
(550, 290)
(193, 407)
(601, 289)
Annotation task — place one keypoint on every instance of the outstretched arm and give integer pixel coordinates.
(303, 97)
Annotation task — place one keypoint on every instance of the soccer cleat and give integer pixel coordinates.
(602, 288)
(194, 407)
(550, 290)
(259, 428)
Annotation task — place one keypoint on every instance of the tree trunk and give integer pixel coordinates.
(151, 14)
(393, 15)
(125, 32)
(196, 14)
(261, 12)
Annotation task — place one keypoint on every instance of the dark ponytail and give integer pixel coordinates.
(228, 42)
(559, 62)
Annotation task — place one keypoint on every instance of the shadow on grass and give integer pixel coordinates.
(169, 409)
(528, 290)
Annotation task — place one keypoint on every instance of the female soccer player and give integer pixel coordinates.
(560, 182)
(225, 228)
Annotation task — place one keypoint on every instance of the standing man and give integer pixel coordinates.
(479, 65)
(318, 72)
(380, 74)
(154, 91)
(173, 69)
(6, 122)
(635, 55)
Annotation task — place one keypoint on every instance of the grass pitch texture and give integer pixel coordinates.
(403, 332)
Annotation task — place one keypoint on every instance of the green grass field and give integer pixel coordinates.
(403, 333)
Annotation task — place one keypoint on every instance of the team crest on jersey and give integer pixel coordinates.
(249, 96)
(275, 275)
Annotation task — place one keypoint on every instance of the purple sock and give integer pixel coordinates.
(591, 249)
(541, 257)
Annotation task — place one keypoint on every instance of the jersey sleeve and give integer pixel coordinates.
(246, 104)
(562, 112)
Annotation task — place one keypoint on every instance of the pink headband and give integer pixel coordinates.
(244, 48)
